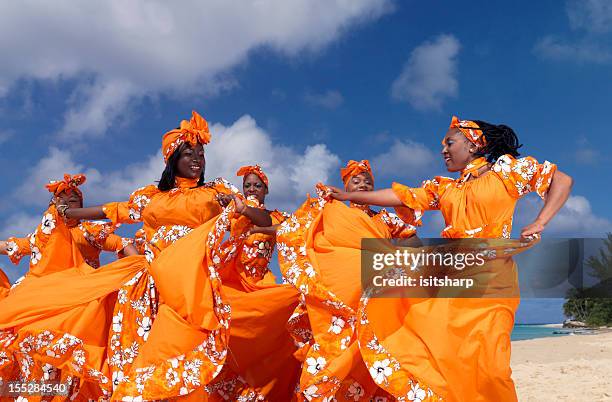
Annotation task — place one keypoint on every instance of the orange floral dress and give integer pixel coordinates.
(319, 253)
(261, 365)
(90, 237)
(397, 348)
(46, 329)
(171, 326)
(455, 349)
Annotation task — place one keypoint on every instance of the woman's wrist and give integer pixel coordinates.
(61, 210)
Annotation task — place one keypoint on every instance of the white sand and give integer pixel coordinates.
(568, 368)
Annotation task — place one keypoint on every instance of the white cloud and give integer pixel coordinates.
(19, 224)
(330, 99)
(292, 173)
(430, 74)
(575, 219)
(590, 15)
(553, 48)
(118, 52)
(594, 19)
(405, 159)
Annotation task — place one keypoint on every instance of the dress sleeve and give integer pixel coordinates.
(115, 243)
(17, 248)
(278, 217)
(425, 197)
(130, 211)
(399, 228)
(222, 186)
(524, 175)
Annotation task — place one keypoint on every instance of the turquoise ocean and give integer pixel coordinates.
(531, 331)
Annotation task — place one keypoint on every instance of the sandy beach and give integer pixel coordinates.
(567, 368)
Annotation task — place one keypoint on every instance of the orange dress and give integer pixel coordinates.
(413, 349)
(46, 326)
(171, 326)
(5, 285)
(319, 253)
(471, 360)
(261, 362)
(90, 237)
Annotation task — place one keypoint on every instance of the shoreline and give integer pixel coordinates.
(557, 368)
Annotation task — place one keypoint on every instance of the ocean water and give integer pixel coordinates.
(528, 331)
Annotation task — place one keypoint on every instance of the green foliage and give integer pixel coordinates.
(590, 305)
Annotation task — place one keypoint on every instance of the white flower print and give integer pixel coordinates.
(416, 393)
(172, 377)
(118, 322)
(149, 256)
(47, 224)
(315, 365)
(118, 377)
(337, 325)
(355, 391)
(344, 342)
(11, 248)
(311, 392)
(380, 370)
(48, 372)
(36, 256)
(144, 327)
(503, 165)
(310, 272)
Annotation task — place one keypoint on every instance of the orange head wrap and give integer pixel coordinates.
(470, 129)
(353, 168)
(69, 184)
(254, 169)
(192, 131)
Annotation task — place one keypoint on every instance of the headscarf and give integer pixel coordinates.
(254, 169)
(68, 185)
(192, 132)
(470, 129)
(353, 168)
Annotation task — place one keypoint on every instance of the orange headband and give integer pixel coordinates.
(353, 168)
(192, 132)
(470, 129)
(254, 169)
(69, 184)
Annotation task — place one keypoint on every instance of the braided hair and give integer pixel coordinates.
(500, 140)
(168, 178)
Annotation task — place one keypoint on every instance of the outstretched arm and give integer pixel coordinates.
(258, 216)
(3, 247)
(559, 191)
(88, 213)
(382, 198)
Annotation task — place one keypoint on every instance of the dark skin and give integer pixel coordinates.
(252, 185)
(458, 152)
(360, 182)
(72, 200)
(189, 165)
(191, 161)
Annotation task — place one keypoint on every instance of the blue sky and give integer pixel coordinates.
(93, 87)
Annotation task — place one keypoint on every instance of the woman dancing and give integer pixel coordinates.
(319, 253)
(90, 238)
(407, 355)
(260, 362)
(171, 323)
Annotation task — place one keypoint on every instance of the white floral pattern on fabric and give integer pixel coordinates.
(182, 374)
(524, 175)
(47, 224)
